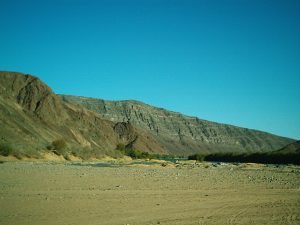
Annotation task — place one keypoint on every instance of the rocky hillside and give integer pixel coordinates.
(290, 148)
(32, 116)
(178, 133)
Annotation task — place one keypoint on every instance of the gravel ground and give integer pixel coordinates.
(65, 193)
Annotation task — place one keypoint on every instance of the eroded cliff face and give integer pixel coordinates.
(32, 115)
(33, 95)
(179, 133)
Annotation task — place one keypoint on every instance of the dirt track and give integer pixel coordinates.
(65, 194)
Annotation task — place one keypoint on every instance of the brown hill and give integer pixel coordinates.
(32, 116)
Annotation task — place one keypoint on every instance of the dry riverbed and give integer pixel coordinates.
(66, 193)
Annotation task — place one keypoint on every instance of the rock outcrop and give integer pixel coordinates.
(33, 95)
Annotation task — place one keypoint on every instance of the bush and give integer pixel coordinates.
(5, 149)
(134, 153)
(59, 144)
(18, 151)
(59, 147)
(120, 147)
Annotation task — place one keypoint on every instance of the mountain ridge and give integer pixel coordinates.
(171, 111)
(134, 111)
(32, 116)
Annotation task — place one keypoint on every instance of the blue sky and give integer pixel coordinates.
(229, 61)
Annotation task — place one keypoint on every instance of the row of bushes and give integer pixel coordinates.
(7, 149)
(61, 148)
(134, 153)
(268, 158)
(138, 154)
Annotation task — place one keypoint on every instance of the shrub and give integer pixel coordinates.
(5, 149)
(120, 147)
(59, 144)
(134, 153)
(59, 147)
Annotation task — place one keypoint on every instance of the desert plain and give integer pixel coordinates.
(110, 193)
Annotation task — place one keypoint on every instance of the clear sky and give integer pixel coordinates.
(229, 61)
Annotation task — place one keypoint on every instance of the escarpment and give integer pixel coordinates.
(179, 133)
(32, 116)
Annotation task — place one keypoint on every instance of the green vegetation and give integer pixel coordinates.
(5, 149)
(268, 158)
(134, 153)
(121, 147)
(18, 151)
(60, 147)
(138, 154)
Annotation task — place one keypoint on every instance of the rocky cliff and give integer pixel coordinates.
(32, 116)
(178, 133)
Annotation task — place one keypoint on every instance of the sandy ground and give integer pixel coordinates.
(60, 193)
